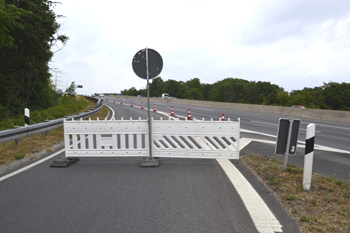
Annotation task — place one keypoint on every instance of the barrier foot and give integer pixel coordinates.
(150, 162)
(64, 162)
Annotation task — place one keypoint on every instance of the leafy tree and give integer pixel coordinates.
(157, 87)
(336, 95)
(9, 14)
(195, 90)
(70, 91)
(30, 31)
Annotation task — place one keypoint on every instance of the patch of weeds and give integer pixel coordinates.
(327, 199)
(304, 218)
(340, 182)
(290, 197)
(330, 190)
(294, 170)
(273, 179)
(32, 157)
(315, 228)
(313, 201)
(19, 155)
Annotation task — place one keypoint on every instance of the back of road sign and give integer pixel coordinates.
(282, 136)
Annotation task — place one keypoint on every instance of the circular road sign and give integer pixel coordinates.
(155, 63)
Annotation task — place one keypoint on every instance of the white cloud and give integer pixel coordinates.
(293, 44)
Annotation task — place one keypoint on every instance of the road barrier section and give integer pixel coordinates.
(171, 138)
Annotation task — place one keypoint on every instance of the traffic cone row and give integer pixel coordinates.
(172, 113)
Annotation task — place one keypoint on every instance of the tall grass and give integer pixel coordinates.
(67, 106)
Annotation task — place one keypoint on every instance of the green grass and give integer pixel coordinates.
(324, 208)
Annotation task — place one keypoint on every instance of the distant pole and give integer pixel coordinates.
(26, 117)
(309, 156)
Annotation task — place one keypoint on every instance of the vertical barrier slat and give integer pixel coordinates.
(114, 141)
(82, 142)
(131, 141)
(91, 141)
(98, 141)
(75, 141)
(122, 142)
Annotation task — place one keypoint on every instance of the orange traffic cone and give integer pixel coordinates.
(132, 104)
(172, 111)
(189, 116)
(154, 108)
(142, 106)
(222, 117)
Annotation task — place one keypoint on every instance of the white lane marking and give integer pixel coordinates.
(113, 112)
(30, 165)
(264, 220)
(265, 123)
(331, 126)
(302, 144)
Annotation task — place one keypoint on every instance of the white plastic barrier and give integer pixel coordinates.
(171, 138)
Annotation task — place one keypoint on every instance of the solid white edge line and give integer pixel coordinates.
(264, 220)
(30, 165)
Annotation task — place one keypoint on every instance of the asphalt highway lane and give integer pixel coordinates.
(117, 195)
(332, 147)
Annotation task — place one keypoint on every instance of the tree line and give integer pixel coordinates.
(332, 95)
(28, 34)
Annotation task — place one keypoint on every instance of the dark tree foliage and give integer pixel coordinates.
(335, 96)
(25, 52)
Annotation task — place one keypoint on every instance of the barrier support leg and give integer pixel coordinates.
(64, 162)
(150, 162)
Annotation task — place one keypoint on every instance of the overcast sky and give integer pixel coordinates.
(294, 44)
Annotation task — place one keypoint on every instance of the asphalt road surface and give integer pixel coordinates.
(332, 139)
(117, 195)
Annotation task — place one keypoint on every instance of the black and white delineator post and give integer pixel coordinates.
(147, 64)
(309, 156)
(26, 117)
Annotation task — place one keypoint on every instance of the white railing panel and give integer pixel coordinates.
(181, 139)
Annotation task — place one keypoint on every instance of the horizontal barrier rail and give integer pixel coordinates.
(171, 138)
(20, 132)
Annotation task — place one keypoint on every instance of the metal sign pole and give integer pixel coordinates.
(149, 113)
(288, 143)
(149, 161)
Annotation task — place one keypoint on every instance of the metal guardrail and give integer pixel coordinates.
(20, 132)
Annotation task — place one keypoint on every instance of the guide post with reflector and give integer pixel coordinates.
(309, 155)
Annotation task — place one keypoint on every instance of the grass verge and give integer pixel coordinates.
(27, 146)
(324, 208)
